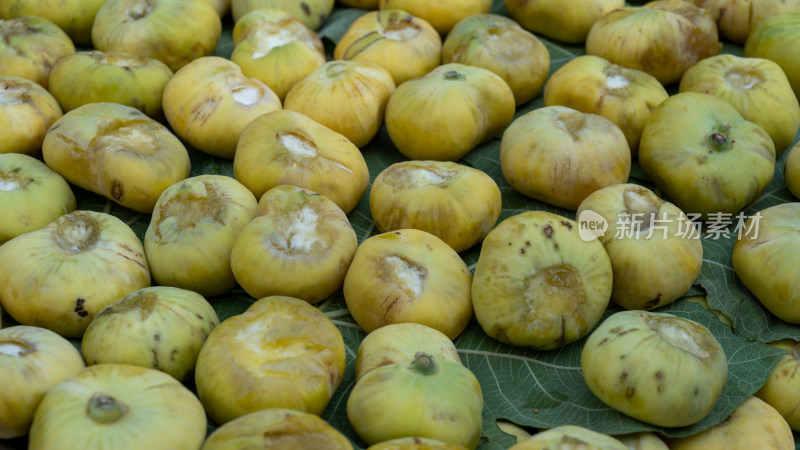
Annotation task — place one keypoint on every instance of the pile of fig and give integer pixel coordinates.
(345, 224)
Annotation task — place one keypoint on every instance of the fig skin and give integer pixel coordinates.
(287, 147)
(32, 360)
(736, 18)
(408, 275)
(756, 87)
(74, 17)
(760, 258)
(89, 259)
(32, 195)
(499, 44)
(537, 284)
(361, 4)
(119, 406)
(400, 42)
(280, 353)
(30, 46)
(159, 327)
(443, 115)
(300, 245)
(95, 77)
(662, 38)
(116, 151)
(276, 48)
(415, 443)
(559, 155)
(783, 385)
(772, 39)
(643, 441)
(443, 15)
(312, 13)
(655, 367)
(565, 22)
(700, 169)
(26, 112)
(430, 398)
(191, 233)
(621, 95)
(348, 97)
(175, 32)
(791, 170)
(569, 436)
(277, 428)
(654, 259)
(209, 101)
(753, 424)
(456, 203)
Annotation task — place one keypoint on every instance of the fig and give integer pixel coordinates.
(655, 252)
(643, 441)
(32, 195)
(566, 22)
(443, 15)
(791, 170)
(118, 406)
(361, 4)
(287, 147)
(431, 397)
(408, 275)
(499, 44)
(280, 353)
(32, 360)
(158, 327)
(174, 32)
(662, 38)
(771, 39)
(456, 203)
(537, 284)
(782, 387)
(26, 112)
(399, 343)
(74, 17)
(559, 155)
(60, 276)
(736, 18)
(116, 151)
(655, 367)
(443, 115)
(718, 163)
(223, 7)
(759, 253)
(400, 42)
(348, 97)
(756, 87)
(94, 77)
(30, 46)
(192, 230)
(621, 95)
(209, 101)
(415, 443)
(277, 428)
(312, 13)
(569, 437)
(300, 245)
(274, 47)
(753, 424)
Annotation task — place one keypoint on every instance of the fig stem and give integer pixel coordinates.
(105, 409)
(453, 75)
(718, 140)
(424, 364)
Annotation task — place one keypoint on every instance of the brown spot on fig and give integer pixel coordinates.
(172, 355)
(527, 243)
(566, 224)
(155, 358)
(623, 376)
(660, 388)
(659, 375)
(696, 391)
(199, 316)
(79, 308)
(157, 337)
(522, 251)
(117, 191)
(306, 8)
(653, 302)
(602, 341)
(555, 245)
(629, 392)
(548, 231)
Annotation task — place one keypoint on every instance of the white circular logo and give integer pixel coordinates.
(591, 225)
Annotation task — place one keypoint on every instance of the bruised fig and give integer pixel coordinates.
(192, 229)
(158, 327)
(32, 195)
(405, 45)
(280, 353)
(568, 22)
(89, 259)
(442, 14)
(300, 245)
(26, 112)
(30, 46)
(313, 13)
(655, 367)
(277, 428)
(537, 284)
(782, 389)
(408, 275)
(569, 437)
(32, 360)
(772, 39)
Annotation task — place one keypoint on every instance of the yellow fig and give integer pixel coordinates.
(563, 21)
(791, 170)
(736, 18)
(569, 436)
(30, 46)
(74, 17)
(782, 389)
(442, 14)
(772, 39)
(26, 112)
(312, 13)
